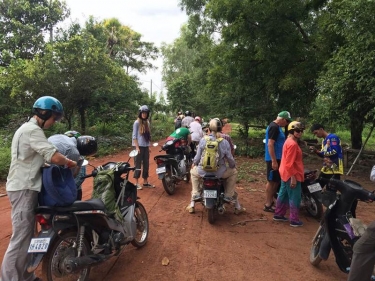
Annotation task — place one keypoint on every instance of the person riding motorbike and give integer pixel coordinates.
(229, 173)
(187, 119)
(185, 135)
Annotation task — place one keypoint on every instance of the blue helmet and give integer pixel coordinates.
(51, 105)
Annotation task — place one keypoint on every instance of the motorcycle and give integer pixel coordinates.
(213, 196)
(174, 166)
(74, 238)
(338, 230)
(311, 194)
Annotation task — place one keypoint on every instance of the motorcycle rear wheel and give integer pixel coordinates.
(211, 215)
(313, 206)
(168, 183)
(53, 261)
(315, 247)
(141, 219)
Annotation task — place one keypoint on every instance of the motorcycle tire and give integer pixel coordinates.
(313, 206)
(315, 247)
(168, 183)
(211, 215)
(141, 218)
(53, 261)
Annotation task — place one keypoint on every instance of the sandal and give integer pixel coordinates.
(268, 208)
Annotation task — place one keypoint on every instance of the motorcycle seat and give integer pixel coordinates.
(91, 204)
(164, 156)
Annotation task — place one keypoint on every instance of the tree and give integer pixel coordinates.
(126, 47)
(76, 70)
(349, 77)
(23, 24)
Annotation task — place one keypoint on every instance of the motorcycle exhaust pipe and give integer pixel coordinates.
(73, 264)
(221, 210)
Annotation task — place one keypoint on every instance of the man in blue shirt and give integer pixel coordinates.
(275, 138)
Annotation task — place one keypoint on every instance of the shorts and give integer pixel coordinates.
(273, 175)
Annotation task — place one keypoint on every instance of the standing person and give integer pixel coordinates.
(363, 260)
(74, 146)
(141, 141)
(187, 119)
(229, 173)
(292, 175)
(29, 151)
(333, 167)
(275, 138)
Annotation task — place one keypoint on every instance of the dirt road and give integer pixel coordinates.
(247, 247)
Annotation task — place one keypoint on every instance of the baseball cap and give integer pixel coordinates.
(285, 115)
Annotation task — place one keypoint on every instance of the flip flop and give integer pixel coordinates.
(148, 185)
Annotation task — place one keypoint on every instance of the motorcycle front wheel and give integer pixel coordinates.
(315, 247)
(313, 206)
(168, 183)
(141, 218)
(62, 248)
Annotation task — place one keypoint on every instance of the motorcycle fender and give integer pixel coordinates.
(36, 258)
(209, 203)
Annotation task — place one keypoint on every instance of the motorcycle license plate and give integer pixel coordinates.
(209, 193)
(39, 245)
(160, 170)
(314, 187)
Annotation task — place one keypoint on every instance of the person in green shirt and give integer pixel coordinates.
(183, 133)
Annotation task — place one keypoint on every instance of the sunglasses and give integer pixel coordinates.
(298, 131)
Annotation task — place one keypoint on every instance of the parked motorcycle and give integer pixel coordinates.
(338, 230)
(311, 194)
(72, 239)
(174, 166)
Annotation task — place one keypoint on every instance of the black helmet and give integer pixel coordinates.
(87, 145)
(72, 134)
(143, 108)
(51, 105)
(215, 125)
(187, 113)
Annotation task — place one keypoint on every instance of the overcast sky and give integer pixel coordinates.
(157, 20)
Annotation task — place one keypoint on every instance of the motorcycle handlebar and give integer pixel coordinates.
(350, 186)
(95, 172)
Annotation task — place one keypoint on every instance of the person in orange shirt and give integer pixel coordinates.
(292, 175)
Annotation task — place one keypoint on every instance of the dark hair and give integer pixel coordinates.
(316, 127)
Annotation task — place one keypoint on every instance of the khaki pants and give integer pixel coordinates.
(16, 259)
(230, 176)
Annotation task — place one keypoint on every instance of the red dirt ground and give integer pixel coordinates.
(247, 247)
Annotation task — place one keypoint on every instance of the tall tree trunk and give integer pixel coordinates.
(83, 120)
(356, 128)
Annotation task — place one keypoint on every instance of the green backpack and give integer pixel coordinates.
(104, 189)
(210, 155)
